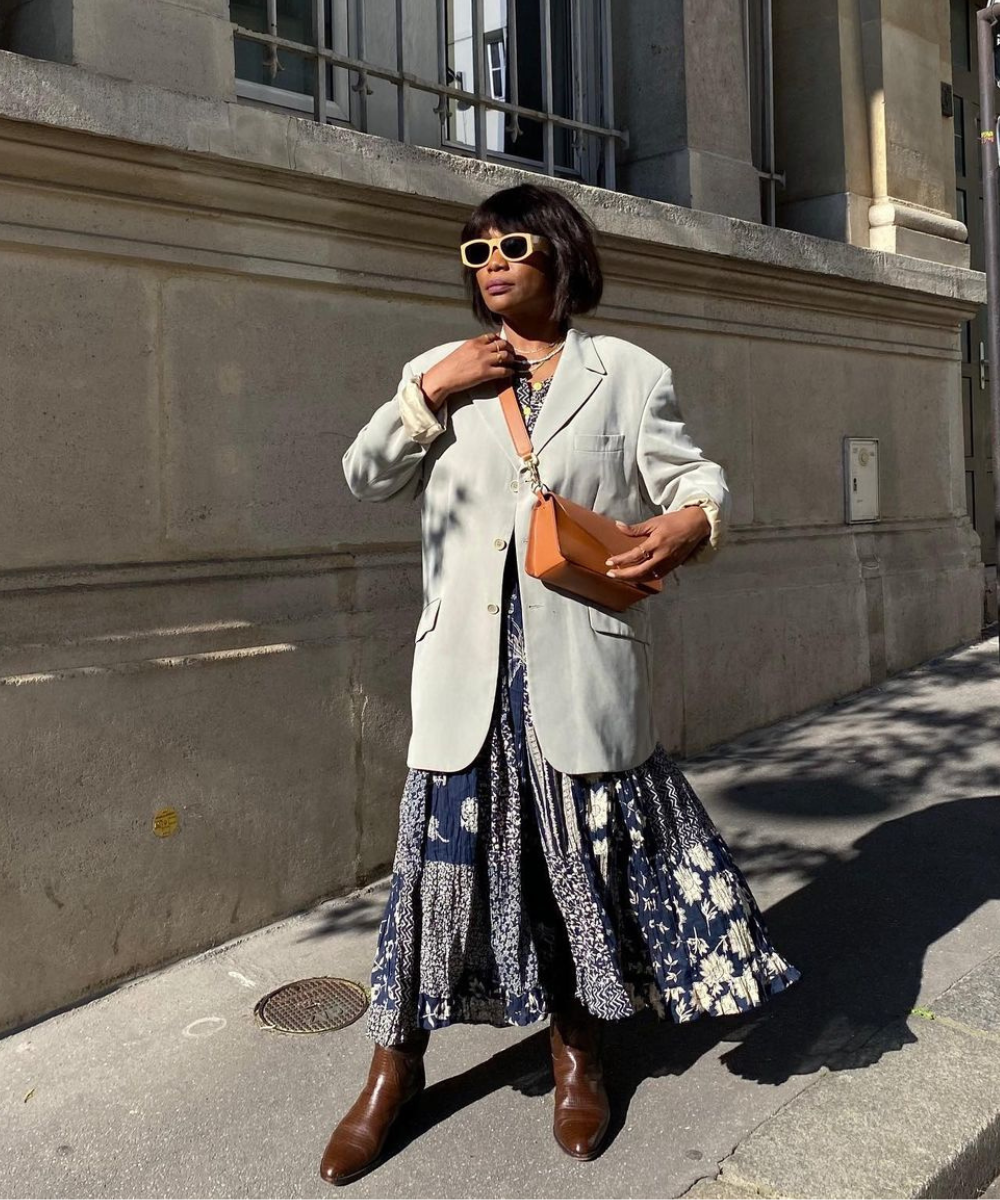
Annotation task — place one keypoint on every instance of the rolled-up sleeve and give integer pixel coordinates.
(389, 451)
(675, 473)
(419, 421)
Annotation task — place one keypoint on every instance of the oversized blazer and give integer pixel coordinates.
(610, 436)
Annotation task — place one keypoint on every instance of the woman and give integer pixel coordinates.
(552, 860)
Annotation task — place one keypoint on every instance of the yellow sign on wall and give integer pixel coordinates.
(166, 822)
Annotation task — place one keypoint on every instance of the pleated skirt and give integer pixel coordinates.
(515, 888)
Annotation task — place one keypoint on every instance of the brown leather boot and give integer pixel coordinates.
(582, 1109)
(396, 1075)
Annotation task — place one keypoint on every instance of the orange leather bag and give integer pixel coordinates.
(569, 545)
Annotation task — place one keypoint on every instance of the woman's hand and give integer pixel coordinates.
(663, 543)
(489, 356)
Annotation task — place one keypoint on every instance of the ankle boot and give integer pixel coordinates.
(582, 1110)
(396, 1075)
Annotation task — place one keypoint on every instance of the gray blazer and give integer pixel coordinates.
(609, 436)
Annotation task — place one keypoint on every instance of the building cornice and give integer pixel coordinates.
(216, 155)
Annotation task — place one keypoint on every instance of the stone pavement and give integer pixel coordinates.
(923, 1120)
(870, 831)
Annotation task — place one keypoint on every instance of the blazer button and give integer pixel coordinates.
(514, 485)
(493, 609)
(499, 544)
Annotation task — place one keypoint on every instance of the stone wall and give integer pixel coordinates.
(682, 95)
(201, 303)
(867, 151)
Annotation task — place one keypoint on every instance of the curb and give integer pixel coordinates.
(921, 1121)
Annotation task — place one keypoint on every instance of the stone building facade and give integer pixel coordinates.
(204, 291)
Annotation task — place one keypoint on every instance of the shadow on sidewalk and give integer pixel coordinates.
(858, 931)
(523, 1067)
(862, 919)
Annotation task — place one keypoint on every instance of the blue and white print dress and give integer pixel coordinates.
(515, 887)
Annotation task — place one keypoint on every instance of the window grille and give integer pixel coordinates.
(759, 38)
(526, 82)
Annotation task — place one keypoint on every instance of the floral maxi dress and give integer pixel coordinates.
(515, 887)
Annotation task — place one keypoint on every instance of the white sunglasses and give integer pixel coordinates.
(515, 247)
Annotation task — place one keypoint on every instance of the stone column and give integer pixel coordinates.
(681, 92)
(907, 56)
(187, 47)
(867, 154)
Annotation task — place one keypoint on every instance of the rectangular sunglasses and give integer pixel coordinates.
(513, 246)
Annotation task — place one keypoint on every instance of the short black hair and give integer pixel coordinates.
(577, 281)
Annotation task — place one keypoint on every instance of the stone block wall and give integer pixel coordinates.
(202, 302)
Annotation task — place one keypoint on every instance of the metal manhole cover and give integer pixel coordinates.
(312, 1005)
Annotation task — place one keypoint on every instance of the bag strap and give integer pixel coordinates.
(521, 438)
(515, 423)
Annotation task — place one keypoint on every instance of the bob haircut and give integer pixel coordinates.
(574, 266)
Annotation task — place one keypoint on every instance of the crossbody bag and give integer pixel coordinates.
(569, 544)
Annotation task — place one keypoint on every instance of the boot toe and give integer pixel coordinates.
(579, 1147)
(581, 1139)
(341, 1164)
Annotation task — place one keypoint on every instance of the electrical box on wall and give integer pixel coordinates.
(861, 479)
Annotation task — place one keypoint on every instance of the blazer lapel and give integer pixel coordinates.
(576, 378)
(486, 398)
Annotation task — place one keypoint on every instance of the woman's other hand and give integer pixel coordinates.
(482, 358)
(662, 543)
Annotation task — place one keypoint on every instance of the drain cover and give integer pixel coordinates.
(312, 1005)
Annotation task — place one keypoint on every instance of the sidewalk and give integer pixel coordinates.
(870, 831)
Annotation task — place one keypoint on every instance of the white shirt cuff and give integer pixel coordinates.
(716, 537)
(420, 423)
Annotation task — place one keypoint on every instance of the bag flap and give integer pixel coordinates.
(588, 539)
(604, 533)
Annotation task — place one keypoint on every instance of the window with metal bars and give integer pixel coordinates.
(526, 82)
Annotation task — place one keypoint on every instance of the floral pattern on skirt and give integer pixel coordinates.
(516, 887)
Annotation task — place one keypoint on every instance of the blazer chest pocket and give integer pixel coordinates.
(599, 443)
(428, 619)
(632, 623)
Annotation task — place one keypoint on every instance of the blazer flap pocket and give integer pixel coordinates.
(428, 619)
(632, 623)
(599, 443)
